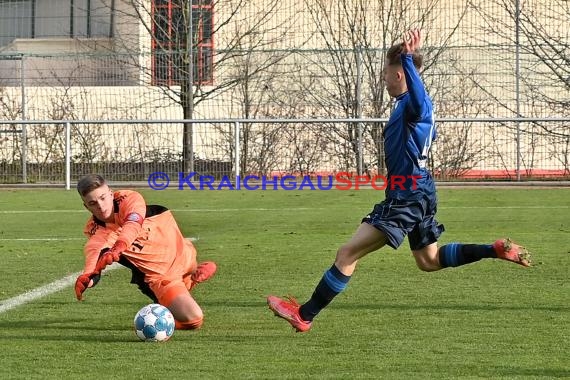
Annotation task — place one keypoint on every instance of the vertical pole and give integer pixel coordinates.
(89, 17)
(190, 51)
(67, 155)
(236, 150)
(71, 18)
(112, 20)
(24, 157)
(359, 159)
(189, 126)
(517, 87)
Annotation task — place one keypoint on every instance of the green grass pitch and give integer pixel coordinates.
(488, 320)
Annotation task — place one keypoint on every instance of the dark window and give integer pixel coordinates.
(54, 19)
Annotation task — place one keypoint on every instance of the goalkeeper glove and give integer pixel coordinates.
(111, 256)
(83, 282)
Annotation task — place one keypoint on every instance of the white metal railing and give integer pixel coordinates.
(238, 122)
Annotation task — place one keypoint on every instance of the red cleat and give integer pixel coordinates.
(507, 250)
(289, 310)
(203, 272)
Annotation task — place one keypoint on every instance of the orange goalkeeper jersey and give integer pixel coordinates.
(159, 250)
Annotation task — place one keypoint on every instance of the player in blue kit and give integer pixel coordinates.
(409, 207)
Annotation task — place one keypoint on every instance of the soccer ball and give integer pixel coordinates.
(154, 323)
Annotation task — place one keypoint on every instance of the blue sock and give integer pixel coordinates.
(457, 254)
(332, 283)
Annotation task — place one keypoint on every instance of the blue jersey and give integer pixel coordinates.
(408, 137)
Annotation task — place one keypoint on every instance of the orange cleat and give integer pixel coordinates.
(203, 272)
(289, 310)
(508, 250)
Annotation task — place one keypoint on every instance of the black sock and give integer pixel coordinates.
(456, 254)
(332, 283)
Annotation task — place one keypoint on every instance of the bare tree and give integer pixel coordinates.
(261, 84)
(356, 34)
(535, 36)
(185, 43)
(457, 147)
(10, 146)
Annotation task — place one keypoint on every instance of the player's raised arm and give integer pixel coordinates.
(411, 62)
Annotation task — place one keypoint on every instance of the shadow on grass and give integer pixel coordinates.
(58, 323)
(399, 306)
(73, 338)
(550, 373)
(71, 330)
(459, 307)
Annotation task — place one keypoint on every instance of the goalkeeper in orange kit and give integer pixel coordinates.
(147, 240)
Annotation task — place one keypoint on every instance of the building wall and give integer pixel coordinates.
(283, 63)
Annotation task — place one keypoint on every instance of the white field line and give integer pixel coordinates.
(522, 207)
(43, 291)
(50, 288)
(68, 280)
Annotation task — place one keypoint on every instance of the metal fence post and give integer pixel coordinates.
(67, 155)
(24, 126)
(236, 150)
(517, 87)
(359, 150)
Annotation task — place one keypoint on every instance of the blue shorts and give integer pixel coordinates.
(400, 217)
